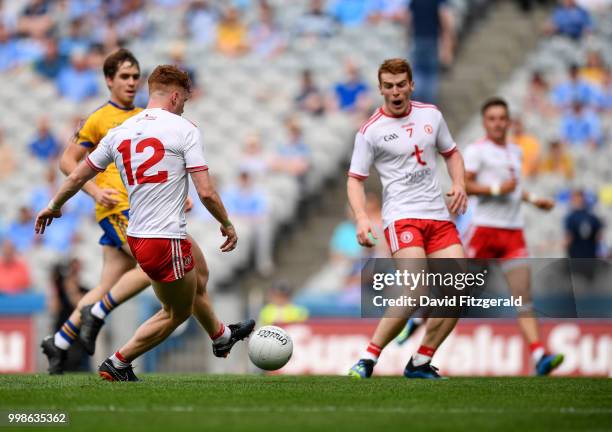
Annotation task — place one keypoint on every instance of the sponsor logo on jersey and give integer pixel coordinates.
(428, 129)
(417, 176)
(390, 137)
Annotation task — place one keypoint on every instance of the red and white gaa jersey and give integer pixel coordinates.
(494, 164)
(403, 150)
(154, 151)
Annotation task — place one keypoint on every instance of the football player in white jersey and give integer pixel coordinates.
(154, 151)
(401, 139)
(493, 174)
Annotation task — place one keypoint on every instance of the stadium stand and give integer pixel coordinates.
(333, 289)
(250, 93)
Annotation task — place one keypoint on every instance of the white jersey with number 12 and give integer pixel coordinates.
(153, 151)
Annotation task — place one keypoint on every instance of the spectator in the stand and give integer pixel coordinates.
(201, 21)
(96, 56)
(10, 56)
(352, 95)
(537, 97)
(293, 157)
(581, 127)
(247, 202)
(78, 81)
(315, 23)
(52, 63)
(20, 232)
(177, 58)
(557, 161)
(570, 20)
(594, 71)
(132, 22)
(14, 270)
(77, 39)
(351, 13)
(66, 291)
(280, 310)
(232, 34)
(605, 95)
(530, 147)
(583, 229)
(44, 145)
(310, 99)
(252, 158)
(575, 89)
(265, 35)
(433, 44)
(36, 19)
(7, 159)
(390, 10)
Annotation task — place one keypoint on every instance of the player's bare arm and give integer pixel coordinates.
(211, 200)
(457, 192)
(71, 186)
(475, 188)
(540, 202)
(69, 161)
(357, 199)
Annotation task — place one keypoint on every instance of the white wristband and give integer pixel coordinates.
(532, 198)
(495, 189)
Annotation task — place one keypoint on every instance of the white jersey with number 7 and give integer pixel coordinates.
(153, 151)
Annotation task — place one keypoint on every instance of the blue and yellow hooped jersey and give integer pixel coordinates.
(97, 125)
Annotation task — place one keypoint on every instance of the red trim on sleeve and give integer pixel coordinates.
(357, 176)
(370, 122)
(197, 168)
(424, 105)
(92, 165)
(449, 153)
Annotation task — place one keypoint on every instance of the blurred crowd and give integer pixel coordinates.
(65, 42)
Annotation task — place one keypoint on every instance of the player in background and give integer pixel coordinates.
(493, 174)
(401, 139)
(122, 75)
(155, 150)
(119, 270)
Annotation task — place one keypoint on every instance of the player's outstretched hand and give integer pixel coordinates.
(104, 197)
(544, 203)
(365, 234)
(231, 238)
(458, 199)
(44, 219)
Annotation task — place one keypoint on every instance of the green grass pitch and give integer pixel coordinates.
(174, 403)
